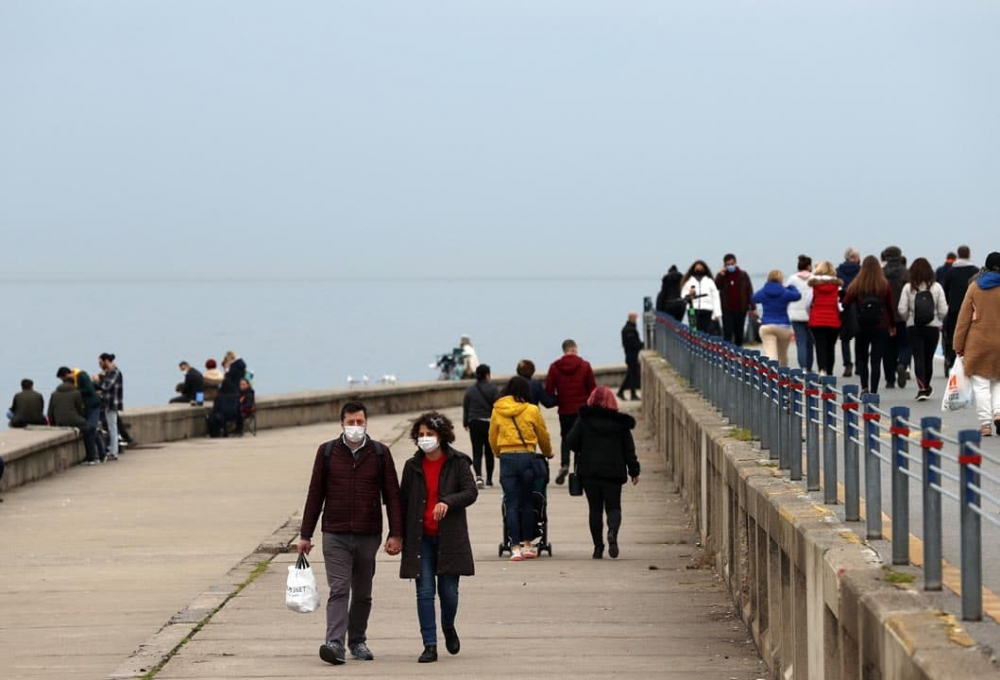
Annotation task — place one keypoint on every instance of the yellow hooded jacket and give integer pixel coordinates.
(503, 434)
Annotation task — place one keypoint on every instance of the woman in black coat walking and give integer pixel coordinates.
(436, 488)
(605, 459)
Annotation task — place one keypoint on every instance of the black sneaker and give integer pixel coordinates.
(332, 652)
(902, 374)
(360, 651)
(848, 370)
(451, 641)
(429, 655)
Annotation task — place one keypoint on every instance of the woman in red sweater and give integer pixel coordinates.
(824, 315)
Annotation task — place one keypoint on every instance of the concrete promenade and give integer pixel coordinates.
(95, 562)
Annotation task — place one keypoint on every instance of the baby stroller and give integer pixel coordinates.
(451, 366)
(539, 499)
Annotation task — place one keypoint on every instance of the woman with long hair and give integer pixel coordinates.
(924, 306)
(871, 293)
(824, 314)
(698, 289)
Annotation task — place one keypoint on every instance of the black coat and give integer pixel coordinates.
(194, 382)
(602, 440)
(669, 300)
(457, 488)
(631, 342)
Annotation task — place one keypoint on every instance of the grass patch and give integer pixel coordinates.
(897, 577)
(768, 463)
(742, 434)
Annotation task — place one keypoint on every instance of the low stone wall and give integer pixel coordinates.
(34, 453)
(812, 594)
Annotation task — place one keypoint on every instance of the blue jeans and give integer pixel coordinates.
(803, 344)
(447, 590)
(517, 477)
(94, 421)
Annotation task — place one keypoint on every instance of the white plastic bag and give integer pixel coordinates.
(301, 594)
(958, 393)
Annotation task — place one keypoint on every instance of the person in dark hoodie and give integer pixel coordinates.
(571, 380)
(632, 344)
(896, 359)
(477, 407)
(66, 409)
(956, 283)
(846, 272)
(436, 488)
(669, 299)
(539, 397)
(28, 407)
(605, 459)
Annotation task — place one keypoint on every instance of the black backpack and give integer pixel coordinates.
(869, 311)
(923, 308)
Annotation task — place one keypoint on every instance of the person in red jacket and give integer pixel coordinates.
(571, 380)
(350, 475)
(824, 315)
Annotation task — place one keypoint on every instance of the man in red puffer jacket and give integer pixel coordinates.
(571, 380)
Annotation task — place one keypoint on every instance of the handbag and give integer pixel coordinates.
(301, 594)
(575, 484)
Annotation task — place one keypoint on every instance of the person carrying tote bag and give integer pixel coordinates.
(605, 460)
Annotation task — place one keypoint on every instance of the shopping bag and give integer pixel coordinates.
(301, 594)
(958, 393)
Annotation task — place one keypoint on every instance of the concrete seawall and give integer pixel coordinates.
(34, 453)
(812, 594)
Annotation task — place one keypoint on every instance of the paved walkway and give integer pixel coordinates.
(97, 560)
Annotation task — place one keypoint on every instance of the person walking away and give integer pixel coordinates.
(66, 410)
(977, 341)
(846, 271)
(477, 407)
(539, 397)
(922, 303)
(669, 301)
(112, 399)
(632, 344)
(349, 475)
(876, 310)
(798, 313)
(776, 328)
(699, 292)
(605, 459)
(896, 359)
(941, 273)
(824, 315)
(28, 406)
(436, 489)
(735, 293)
(516, 428)
(570, 380)
(955, 285)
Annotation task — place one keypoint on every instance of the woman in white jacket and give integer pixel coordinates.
(923, 322)
(698, 290)
(798, 313)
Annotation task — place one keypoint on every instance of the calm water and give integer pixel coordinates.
(302, 335)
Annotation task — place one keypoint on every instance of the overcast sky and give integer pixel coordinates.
(572, 138)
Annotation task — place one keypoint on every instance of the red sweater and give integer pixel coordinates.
(825, 310)
(432, 476)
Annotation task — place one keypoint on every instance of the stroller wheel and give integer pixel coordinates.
(548, 549)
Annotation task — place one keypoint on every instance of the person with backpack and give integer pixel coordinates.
(871, 293)
(977, 341)
(922, 303)
(349, 476)
(896, 358)
(477, 407)
(824, 315)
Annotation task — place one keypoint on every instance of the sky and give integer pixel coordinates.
(472, 139)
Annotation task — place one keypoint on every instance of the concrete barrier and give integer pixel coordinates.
(814, 597)
(34, 453)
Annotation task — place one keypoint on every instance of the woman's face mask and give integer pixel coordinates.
(427, 444)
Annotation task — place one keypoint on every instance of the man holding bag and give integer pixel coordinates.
(350, 475)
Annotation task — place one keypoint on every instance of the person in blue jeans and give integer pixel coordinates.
(437, 487)
(798, 313)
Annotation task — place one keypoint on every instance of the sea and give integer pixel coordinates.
(304, 334)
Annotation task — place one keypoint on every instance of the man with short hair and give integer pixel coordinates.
(28, 407)
(193, 385)
(956, 283)
(66, 410)
(632, 344)
(735, 291)
(846, 271)
(896, 359)
(571, 380)
(942, 272)
(350, 475)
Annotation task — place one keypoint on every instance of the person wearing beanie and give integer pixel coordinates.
(977, 341)
(896, 358)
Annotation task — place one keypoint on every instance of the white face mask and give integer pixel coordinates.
(354, 433)
(427, 444)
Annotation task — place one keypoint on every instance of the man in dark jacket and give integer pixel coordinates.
(941, 273)
(477, 407)
(632, 345)
(350, 474)
(28, 407)
(193, 385)
(571, 380)
(846, 271)
(735, 291)
(896, 359)
(956, 283)
(66, 409)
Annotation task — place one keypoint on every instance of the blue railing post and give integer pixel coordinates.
(795, 392)
(827, 384)
(900, 485)
(773, 410)
(812, 431)
(969, 461)
(873, 468)
(784, 459)
(852, 473)
(930, 445)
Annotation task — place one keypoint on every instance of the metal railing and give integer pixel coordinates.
(775, 403)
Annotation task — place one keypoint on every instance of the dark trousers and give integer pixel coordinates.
(703, 320)
(869, 344)
(479, 433)
(923, 343)
(566, 423)
(897, 353)
(947, 333)
(733, 323)
(845, 352)
(825, 341)
(350, 568)
(603, 496)
(631, 381)
(517, 478)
